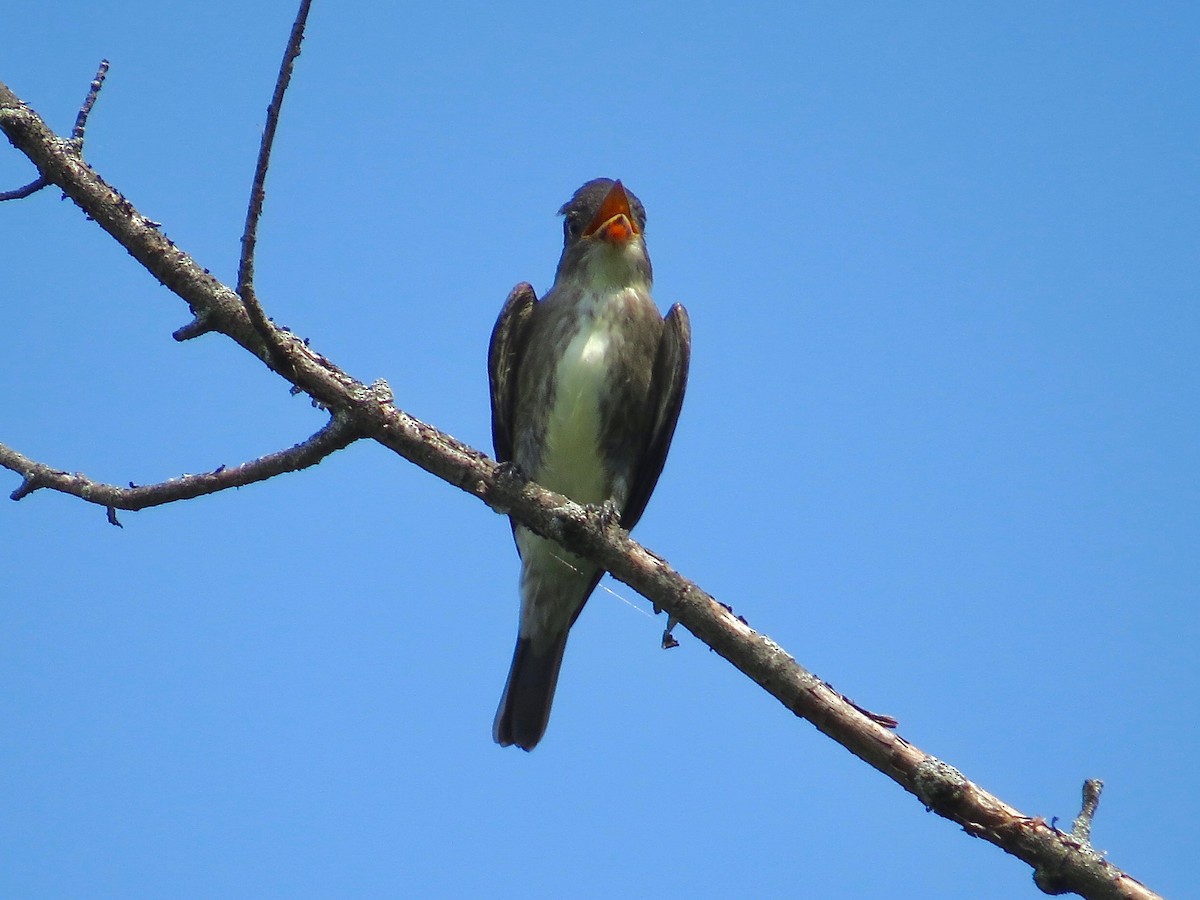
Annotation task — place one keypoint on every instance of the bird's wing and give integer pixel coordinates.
(669, 381)
(504, 354)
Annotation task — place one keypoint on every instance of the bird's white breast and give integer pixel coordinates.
(571, 462)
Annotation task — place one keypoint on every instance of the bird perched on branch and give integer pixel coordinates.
(586, 387)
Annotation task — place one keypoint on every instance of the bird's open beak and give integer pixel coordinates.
(614, 220)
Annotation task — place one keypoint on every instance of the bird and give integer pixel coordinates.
(586, 388)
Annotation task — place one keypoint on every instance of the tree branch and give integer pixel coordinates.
(77, 134)
(338, 433)
(245, 286)
(1049, 878)
(371, 413)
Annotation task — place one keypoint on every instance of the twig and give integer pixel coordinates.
(338, 433)
(212, 302)
(245, 284)
(88, 102)
(202, 324)
(25, 190)
(1054, 876)
(76, 135)
(1082, 827)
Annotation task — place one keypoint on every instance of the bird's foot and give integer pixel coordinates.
(509, 470)
(608, 514)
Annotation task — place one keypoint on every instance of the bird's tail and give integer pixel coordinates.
(525, 707)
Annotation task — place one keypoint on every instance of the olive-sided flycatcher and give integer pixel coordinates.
(586, 388)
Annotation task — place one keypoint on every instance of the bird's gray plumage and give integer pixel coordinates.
(586, 388)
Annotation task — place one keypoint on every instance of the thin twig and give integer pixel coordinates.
(1082, 826)
(338, 433)
(88, 102)
(1055, 876)
(245, 283)
(76, 135)
(216, 305)
(25, 190)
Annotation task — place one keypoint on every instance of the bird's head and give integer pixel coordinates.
(603, 226)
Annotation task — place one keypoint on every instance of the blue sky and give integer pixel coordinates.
(941, 442)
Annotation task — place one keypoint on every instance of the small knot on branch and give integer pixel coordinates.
(202, 324)
(29, 484)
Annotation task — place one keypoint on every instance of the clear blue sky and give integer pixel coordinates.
(941, 442)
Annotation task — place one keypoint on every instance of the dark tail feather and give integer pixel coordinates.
(525, 707)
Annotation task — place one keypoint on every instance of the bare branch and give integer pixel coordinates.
(245, 285)
(938, 786)
(25, 190)
(138, 234)
(1053, 880)
(1082, 826)
(337, 434)
(88, 102)
(202, 324)
(77, 134)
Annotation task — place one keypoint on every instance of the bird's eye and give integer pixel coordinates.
(571, 227)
